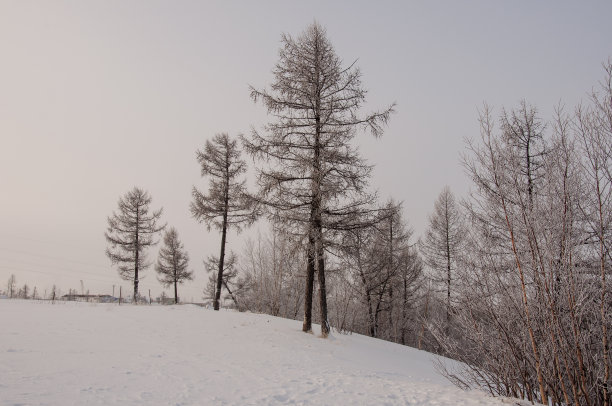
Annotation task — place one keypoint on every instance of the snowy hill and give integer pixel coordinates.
(104, 354)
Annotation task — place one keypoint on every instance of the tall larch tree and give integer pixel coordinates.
(172, 262)
(227, 204)
(131, 230)
(312, 177)
(442, 243)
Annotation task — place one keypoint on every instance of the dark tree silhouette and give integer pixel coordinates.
(172, 262)
(130, 232)
(226, 205)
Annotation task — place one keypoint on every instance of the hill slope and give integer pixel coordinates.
(86, 354)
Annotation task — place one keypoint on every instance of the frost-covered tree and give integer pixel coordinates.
(172, 262)
(593, 126)
(533, 315)
(383, 272)
(401, 265)
(312, 177)
(272, 280)
(226, 205)
(131, 230)
(442, 243)
(523, 131)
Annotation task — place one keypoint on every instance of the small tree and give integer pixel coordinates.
(172, 262)
(130, 232)
(24, 292)
(54, 293)
(10, 285)
(230, 272)
(226, 205)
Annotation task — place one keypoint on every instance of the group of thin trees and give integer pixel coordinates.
(311, 180)
(531, 315)
(513, 280)
(132, 229)
(25, 292)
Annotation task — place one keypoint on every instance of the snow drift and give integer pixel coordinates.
(102, 354)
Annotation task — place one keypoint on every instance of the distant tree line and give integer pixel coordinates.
(25, 292)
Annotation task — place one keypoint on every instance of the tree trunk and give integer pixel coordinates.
(231, 295)
(221, 261)
(317, 198)
(392, 331)
(403, 317)
(371, 330)
(223, 233)
(448, 273)
(136, 255)
(174, 267)
(322, 291)
(310, 270)
(448, 258)
(604, 329)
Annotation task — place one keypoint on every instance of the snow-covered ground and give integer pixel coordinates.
(104, 354)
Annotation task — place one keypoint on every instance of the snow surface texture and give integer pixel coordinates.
(104, 354)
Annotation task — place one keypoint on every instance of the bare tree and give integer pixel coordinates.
(226, 205)
(271, 278)
(314, 178)
(24, 292)
(594, 128)
(383, 272)
(533, 318)
(172, 262)
(11, 285)
(229, 279)
(442, 243)
(130, 232)
(54, 293)
(523, 131)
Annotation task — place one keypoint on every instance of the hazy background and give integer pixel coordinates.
(99, 96)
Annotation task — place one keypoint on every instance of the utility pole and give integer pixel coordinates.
(149, 297)
(119, 295)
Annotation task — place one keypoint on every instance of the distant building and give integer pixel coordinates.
(89, 298)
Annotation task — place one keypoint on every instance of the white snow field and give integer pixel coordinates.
(104, 354)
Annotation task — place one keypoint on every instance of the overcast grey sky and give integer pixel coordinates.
(99, 96)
